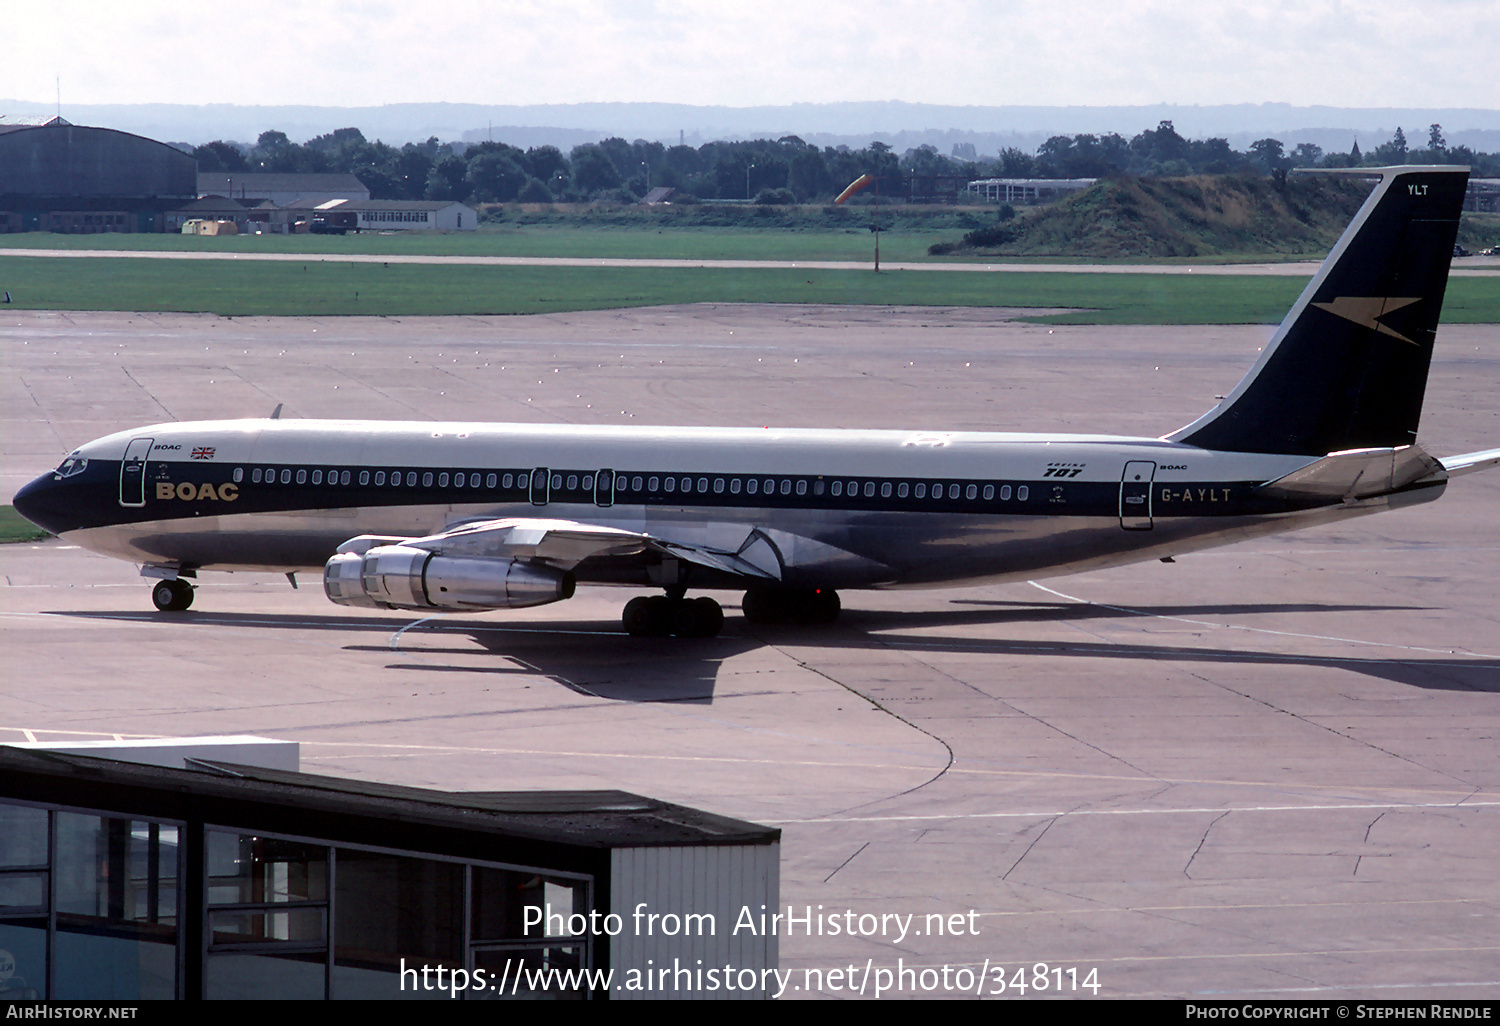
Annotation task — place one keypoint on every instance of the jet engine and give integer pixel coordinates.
(405, 577)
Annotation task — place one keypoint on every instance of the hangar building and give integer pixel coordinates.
(60, 177)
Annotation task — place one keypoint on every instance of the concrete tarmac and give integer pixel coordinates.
(1265, 771)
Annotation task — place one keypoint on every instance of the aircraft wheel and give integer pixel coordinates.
(701, 617)
(819, 606)
(172, 596)
(764, 606)
(647, 617)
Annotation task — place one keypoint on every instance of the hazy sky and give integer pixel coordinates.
(1349, 53)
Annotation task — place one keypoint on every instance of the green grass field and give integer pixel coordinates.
(16, 528)
(322, 288)
(602, 241)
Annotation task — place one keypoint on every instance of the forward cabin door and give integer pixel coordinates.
(1135, 495)
(133, 472)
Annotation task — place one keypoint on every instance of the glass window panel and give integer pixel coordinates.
(734, 486)
(786, 486)
(411, 479)
(302, 476)
(651, 485)
(837, 488)
(921, 490)
(443, 480)
(379, 478)
(769, 486)
(290, 977)
(971, 491)
(718, 486)
(317, 477)
(22, 891)
(885, 489)
(293, 925)
(901, 490)
(635, 484)
(427, 479)
(115, 963)
(989, 492)
(25, 940)
(953, 491)
(588, 482)
(255, 476)
(527, 963)
(752, 486)
(286, 476)
(670, 484)
(556, 480)
(245, 868)
(23, 836)
(869, 489)
(572, 481)
(1022, 492)
(390, 907)
(818, 487)
(1005, 493)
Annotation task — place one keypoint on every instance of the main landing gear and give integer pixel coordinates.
(657, 616)
(804, 606)
(172, 596)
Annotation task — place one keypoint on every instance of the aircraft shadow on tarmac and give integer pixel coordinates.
(599, 659)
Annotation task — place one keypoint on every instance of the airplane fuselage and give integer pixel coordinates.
(834, 509)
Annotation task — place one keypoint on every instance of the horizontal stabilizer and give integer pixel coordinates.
(1357, 474)
(1469, 462)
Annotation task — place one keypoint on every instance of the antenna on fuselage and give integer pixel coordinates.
(276, 413)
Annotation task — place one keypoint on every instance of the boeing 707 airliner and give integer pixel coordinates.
(469, 517)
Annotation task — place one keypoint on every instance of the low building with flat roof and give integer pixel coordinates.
(121, 881)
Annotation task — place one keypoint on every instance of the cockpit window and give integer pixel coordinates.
(74, 464)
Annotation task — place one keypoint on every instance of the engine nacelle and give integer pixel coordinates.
(404, 577)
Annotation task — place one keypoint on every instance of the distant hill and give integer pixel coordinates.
(1199, 216)
(903, 125)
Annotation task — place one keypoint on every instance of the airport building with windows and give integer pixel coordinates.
(213, 880)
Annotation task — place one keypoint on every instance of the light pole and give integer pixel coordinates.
(747, 180)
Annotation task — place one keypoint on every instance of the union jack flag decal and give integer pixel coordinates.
(206, 453)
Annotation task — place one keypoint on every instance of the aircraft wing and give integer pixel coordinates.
(1469, 462)
(563, 544)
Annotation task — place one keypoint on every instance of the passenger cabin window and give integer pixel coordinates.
(1022, 492)
(364, 477)
(255, 476)
(411, 479)
(344, 477)
(1005, 493)
(317, 477)
(901, 490)
(490, 481)
(734, 486)
(286, 477)
(239, 474)
(426, 479)
(379, 478)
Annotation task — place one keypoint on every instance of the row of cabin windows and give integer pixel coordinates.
(645, 483)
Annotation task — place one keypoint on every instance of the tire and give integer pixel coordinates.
(172, 596)
(647, 617)
(697, 618)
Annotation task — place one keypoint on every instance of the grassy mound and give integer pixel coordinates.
(1200, 216)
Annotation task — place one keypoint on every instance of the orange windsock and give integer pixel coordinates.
(854, 186)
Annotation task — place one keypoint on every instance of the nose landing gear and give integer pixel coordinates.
(172, 596)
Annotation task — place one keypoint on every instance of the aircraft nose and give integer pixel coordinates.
(37, 502)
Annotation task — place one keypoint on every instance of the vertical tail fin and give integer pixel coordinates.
(1348, 366)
